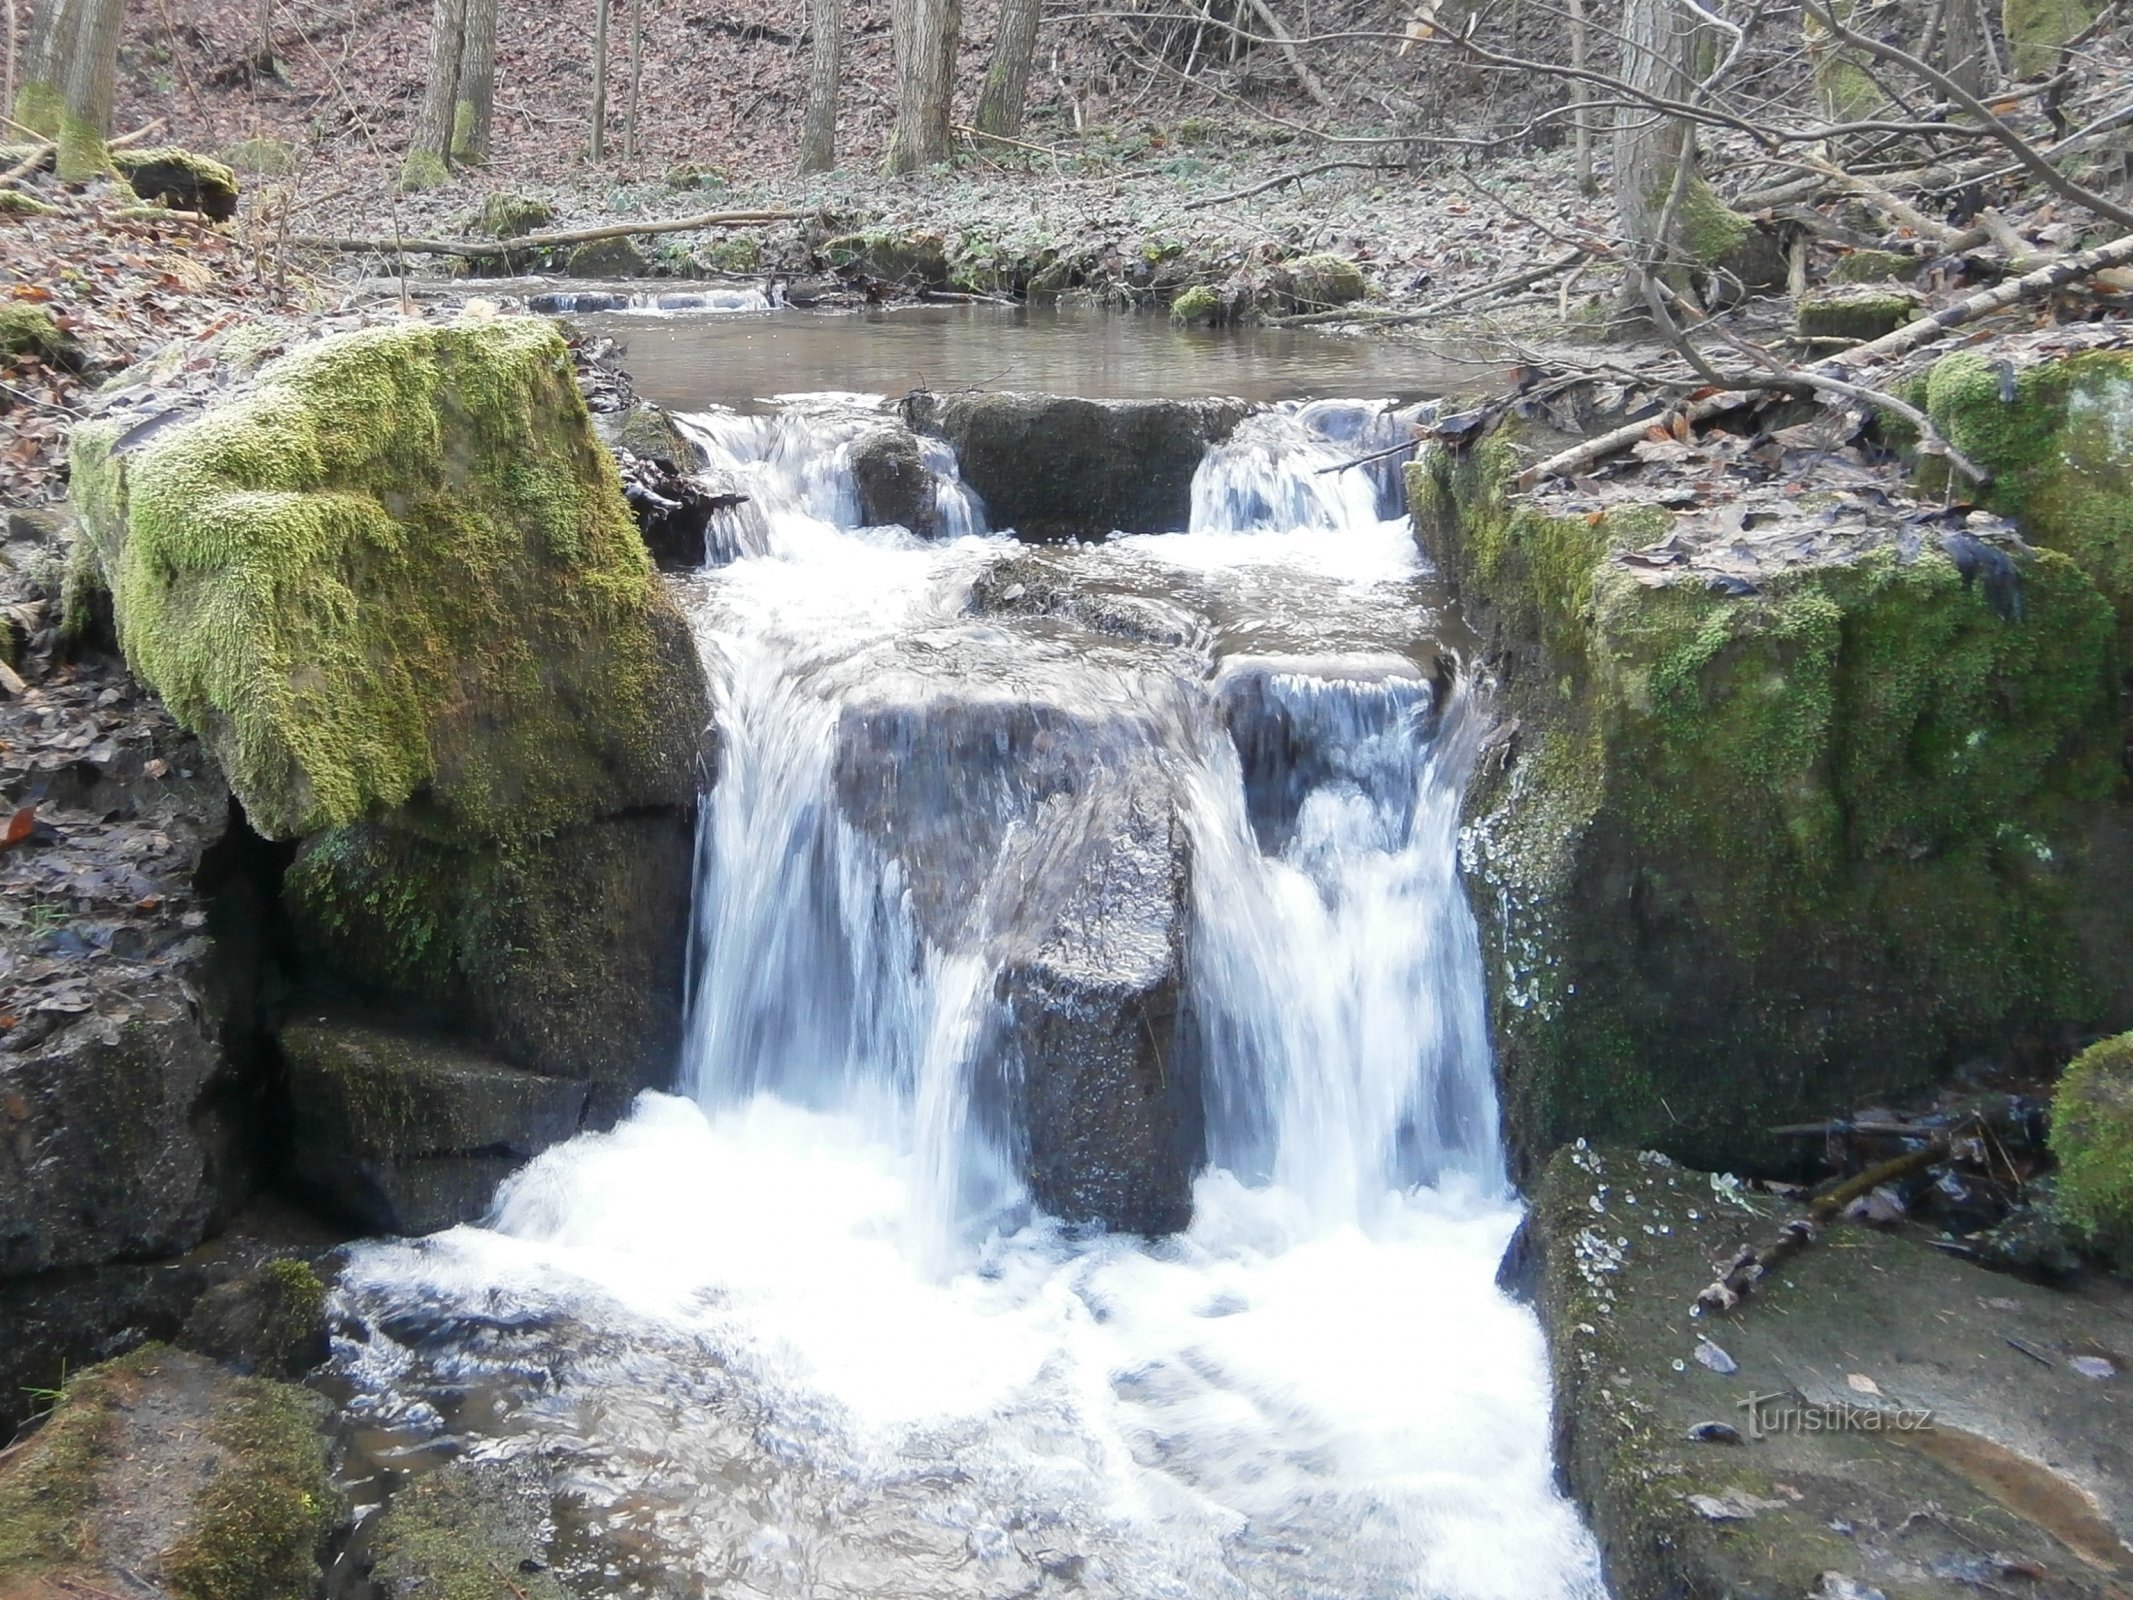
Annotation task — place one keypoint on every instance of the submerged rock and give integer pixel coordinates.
(1053, 468)
(405, 1135)
(460, 1528)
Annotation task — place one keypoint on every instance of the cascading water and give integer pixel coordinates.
(807, 1327)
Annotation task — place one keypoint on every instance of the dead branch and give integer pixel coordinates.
(1517, 280)
(479, 250)
(2030, 286)
(1279, 181)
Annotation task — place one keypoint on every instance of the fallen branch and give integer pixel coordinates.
(1278, 180)
(1909, 337)
(478, 250)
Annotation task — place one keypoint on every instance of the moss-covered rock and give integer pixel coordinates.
(2092, 1135)
(1757, 853)
(162, 1467)
(1200, 303)
(1320, 282)
(407, 1135)
(399, 562)
(31, 333)
(564, 951)
(912, 260)
(1855, 313)
(270, 1321)
(607, 258)
(2058, 436)
(511, 216)
(1873, 266)
(180, 179)
(450, 1532)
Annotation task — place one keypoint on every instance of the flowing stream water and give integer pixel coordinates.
(804, 1327)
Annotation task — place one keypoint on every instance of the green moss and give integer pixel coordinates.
(260, 1522)
(606, 258)
(48, 1492)
(1855, 314)
(1322, 281)
(511, 216)
(180, 179)
(13, 202)
(1854, 801)
(1200, 303)
(38, 108)
(31, 332)
(1706, 228)
(83, 153)
(2092, 1135)
(398, 561)
(736, 252)
(451, 1534)
(2060, 446)
(911, 259)
(1873, 266)
(423, 169)
(2037, 30)
(463, 125)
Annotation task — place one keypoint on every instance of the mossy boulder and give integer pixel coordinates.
(2092, 1135)
(407, 1135)
(269, 1322)
(511, 216)
(1873, 266)
(399, 562)
(607, 258)
(449, 1532)
(1200, 303)
(2057, 434)
(1320, 282)
(910, 260)
(180, 179)
(1855, 313)
(32, 333)
(1761, 852)
(162, 1469)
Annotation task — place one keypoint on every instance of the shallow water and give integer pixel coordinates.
(689, 359)
(800, 1330)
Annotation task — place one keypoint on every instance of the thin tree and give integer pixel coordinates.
(474, 100)
(43, 93)
(91, 75)
(1669, 213)
(818, 133)
(926, 33)
(427, 152)
(599, 109)
(629, 125)
(1007, 74)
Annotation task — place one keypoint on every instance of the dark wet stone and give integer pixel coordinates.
(894, 486)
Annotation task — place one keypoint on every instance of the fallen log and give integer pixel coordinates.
(2030, 286)
(483, 250)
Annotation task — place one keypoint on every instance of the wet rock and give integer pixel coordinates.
(1895, 1416)
(462, 1528)
(270, 1322)
(894, 486)
(905, 260)
(576, 303)
(407, 1135)
(1054, 468)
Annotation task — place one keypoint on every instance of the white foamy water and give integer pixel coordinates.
(800, 1330)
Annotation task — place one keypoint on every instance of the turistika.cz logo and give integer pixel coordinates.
(1785, 1413)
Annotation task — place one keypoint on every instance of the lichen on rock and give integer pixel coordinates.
(398, 562)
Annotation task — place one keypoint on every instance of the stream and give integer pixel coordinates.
(808, 1325)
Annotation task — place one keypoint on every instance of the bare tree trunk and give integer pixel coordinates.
(1668, 213)
(1581, 96)
(92, 72)
(474, 101)
(1962, 45)
(599, 110)
(425, 167)
(629, 125)
(926, 32)
(818, 135)
(1007, 75)
(37, 104)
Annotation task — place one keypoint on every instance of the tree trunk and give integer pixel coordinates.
(1581, 96)
(599, 111)
(44, 66)
(926, 33)
(1007, 76)
(1962, 46)
(818, 136)
(426, 166)
(629, 125)
(1668, 213)
(474, 101)
(92, 72)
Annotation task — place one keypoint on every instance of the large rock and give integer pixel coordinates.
(408, 1135)
(1052, 467)
(2092, 1135)
(1786, 815)
(392, 581)
(1909, 1401)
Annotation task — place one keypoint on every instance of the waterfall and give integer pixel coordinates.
(1173, 814)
